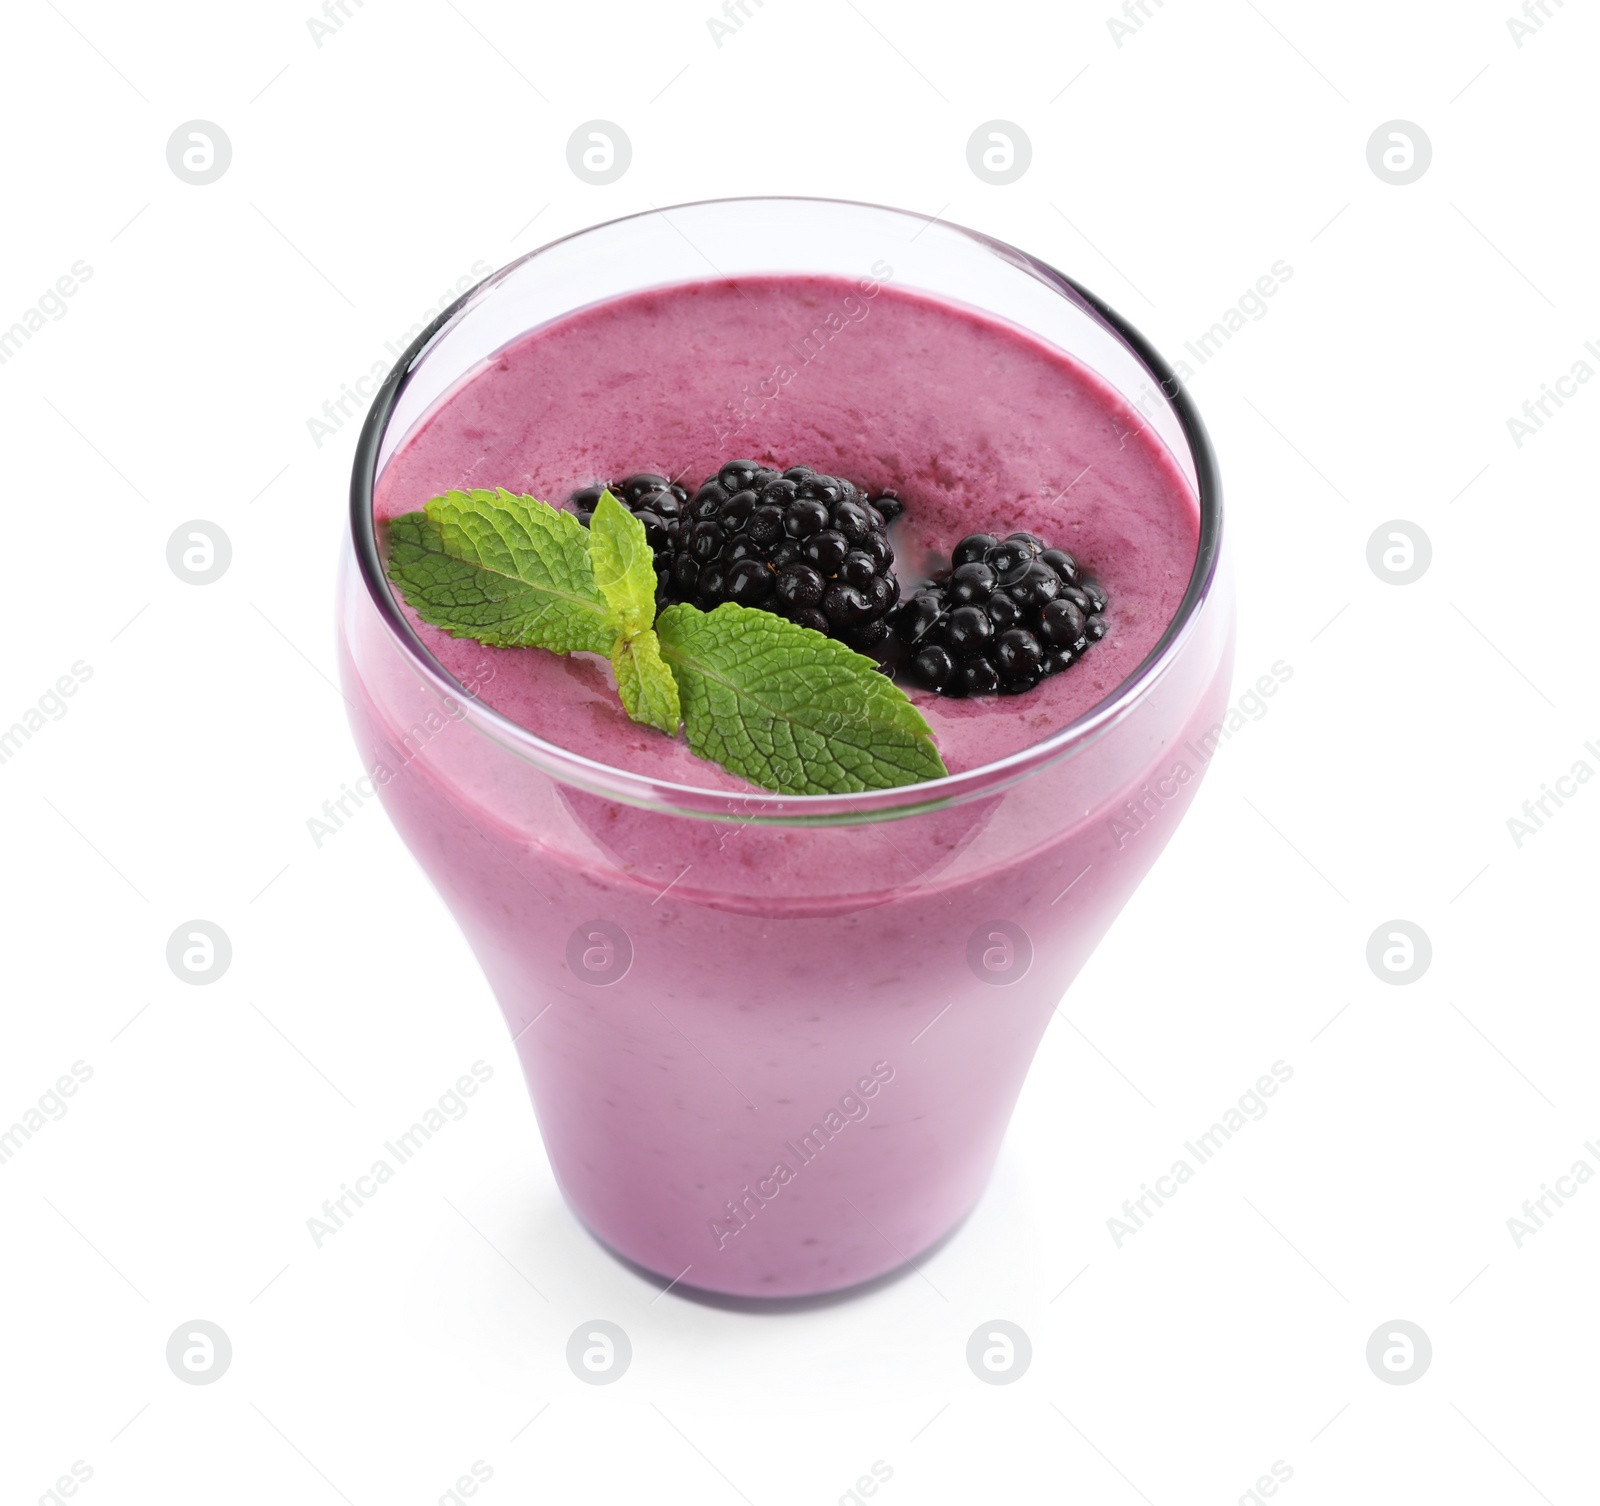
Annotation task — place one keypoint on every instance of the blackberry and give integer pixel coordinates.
(804, 517)
(749, 582)
(914, 620)
(1003, 610)
(826, 550)
(968, 552)
(1063, 625)
(1063, 564)
(976, 677)
(810, 546)
(858, 567)
(972, 583)
(800, 585)
(1007, 613)
(1039, 586)
(1017, 653)
(846, 607)
(968, 632)
(1008, 560)
(636, 488)
(934, 666)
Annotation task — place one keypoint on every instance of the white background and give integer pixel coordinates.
(368, 174)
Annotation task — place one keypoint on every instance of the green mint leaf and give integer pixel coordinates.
(624, 564)
(789, 709)
(512, 572)
(625, 572)
(649, 693)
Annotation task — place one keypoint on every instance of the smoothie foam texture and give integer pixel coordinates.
(974, 423)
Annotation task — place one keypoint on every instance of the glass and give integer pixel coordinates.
(789, 1071)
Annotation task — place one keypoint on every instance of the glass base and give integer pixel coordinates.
(734, 1302)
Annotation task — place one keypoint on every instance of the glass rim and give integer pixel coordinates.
(605, 779)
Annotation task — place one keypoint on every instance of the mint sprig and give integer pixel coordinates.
(645, 682)
(507, 570)
(624, 565)
(787, 708)
(625, 572)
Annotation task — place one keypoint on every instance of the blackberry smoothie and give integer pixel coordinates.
(976, 426)
(773, 1042)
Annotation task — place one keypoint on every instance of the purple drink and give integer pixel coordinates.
(774, 1042)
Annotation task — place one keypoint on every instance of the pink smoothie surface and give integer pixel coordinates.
(974, 424)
